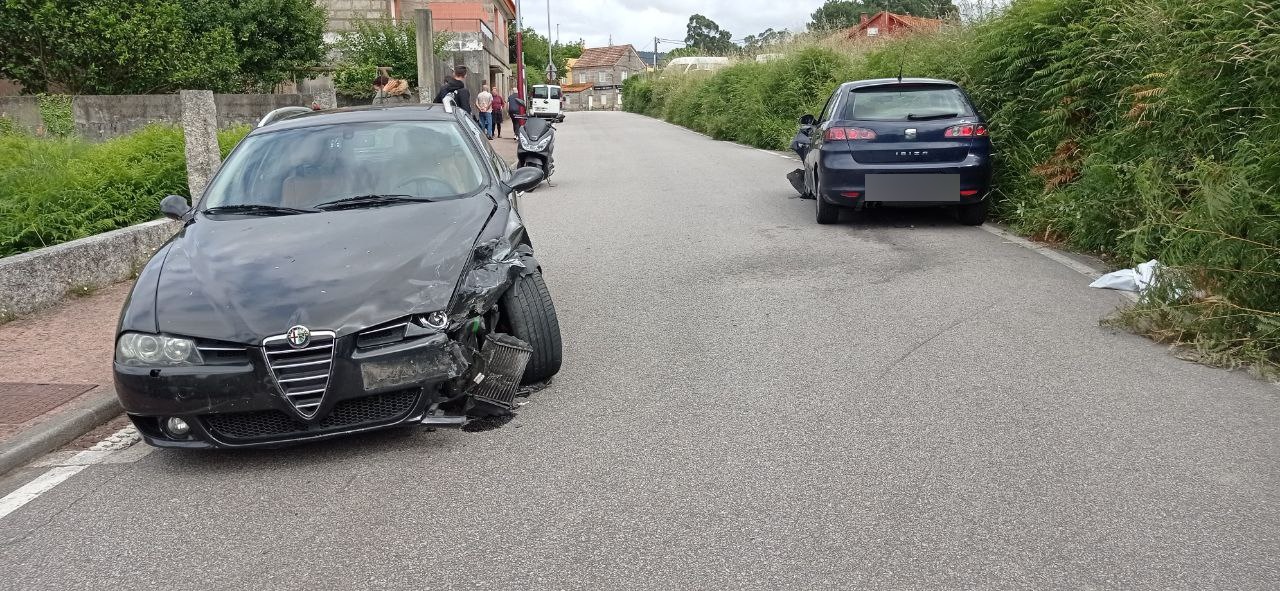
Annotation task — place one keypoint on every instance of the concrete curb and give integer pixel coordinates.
(62, 429)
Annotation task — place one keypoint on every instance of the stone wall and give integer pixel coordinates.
(41, 278)
(99, 117)
(22, 111)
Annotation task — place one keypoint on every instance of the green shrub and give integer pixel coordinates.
(59, 189)
(1136, 129)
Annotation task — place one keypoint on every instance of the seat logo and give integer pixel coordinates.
(910, 133)
(298, 337)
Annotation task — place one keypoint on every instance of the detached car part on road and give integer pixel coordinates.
(344, 271)
(895, 142)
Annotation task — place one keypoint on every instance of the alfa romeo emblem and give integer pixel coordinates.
(298, 337)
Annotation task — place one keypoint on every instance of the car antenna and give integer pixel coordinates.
(899, 69)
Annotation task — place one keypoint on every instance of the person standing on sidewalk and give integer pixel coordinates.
(514, 107)
(484, 106)
(457, 88)
(498, 104)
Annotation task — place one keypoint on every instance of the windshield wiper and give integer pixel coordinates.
(914, 117)
(256, 209)
(369, 201)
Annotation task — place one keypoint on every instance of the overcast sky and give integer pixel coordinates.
(638, 21)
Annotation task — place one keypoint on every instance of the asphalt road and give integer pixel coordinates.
(749, 400)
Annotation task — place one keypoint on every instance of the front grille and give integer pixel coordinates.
(391, 332)
(354, 413)
(302, 374)
(219, 353)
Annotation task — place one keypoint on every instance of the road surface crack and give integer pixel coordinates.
(970, 317)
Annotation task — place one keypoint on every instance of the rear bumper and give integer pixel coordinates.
(839, 175)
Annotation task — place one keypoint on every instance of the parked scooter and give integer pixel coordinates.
(537, 139)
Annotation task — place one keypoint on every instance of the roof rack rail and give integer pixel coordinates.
(281, 114)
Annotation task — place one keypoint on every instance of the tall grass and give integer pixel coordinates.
(1137, 129)
(59, 189)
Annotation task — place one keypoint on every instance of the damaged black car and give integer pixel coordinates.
(344, 271)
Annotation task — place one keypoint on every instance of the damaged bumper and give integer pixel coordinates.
(243, 405)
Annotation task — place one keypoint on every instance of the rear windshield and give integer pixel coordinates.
(540, 92)
(307, 166)
(906, 103)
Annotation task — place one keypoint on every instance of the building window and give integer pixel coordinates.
(600, 77)
(873, 31)
(624, 76)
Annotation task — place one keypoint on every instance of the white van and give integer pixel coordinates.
(684, 65)
(547, 102)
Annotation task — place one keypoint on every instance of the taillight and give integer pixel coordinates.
(969, 130)
(849, 133)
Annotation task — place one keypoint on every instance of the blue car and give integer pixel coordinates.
(896, 142)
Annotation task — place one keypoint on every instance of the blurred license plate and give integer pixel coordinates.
(913, 187)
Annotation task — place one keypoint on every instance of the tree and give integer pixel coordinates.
(535, 54)
(371, 44)
(276, 40)
(767, 38)
(705, 35)
(148, 46)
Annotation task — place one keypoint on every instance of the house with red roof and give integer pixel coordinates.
(885, 24)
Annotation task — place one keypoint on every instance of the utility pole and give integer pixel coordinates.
(520, 82)
(551, 63)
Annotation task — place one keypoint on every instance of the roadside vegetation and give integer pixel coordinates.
(1135, 129)
(57, 189)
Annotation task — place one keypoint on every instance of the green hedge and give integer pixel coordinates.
(60, 189)
(1137, 129)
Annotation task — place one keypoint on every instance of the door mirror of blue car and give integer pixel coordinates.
(174, 207)
(808, 120)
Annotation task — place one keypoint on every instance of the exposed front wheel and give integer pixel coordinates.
(972, 214)
(531, 317)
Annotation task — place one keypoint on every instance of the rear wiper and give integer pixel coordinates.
(256, 209)
(369, 200)
(914, 117)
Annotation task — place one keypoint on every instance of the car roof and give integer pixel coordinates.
(364, 114)
(856, 84)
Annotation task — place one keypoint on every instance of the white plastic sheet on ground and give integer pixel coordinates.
(1136, 280)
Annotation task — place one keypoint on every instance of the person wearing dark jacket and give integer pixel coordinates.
(461, 96)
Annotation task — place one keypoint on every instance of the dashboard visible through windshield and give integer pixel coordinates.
(301, 169)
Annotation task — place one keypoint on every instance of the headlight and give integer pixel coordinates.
(148, 350)
(538, 147)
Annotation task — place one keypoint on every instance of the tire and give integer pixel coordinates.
(531, 317)
(973, 214)
(827, 213)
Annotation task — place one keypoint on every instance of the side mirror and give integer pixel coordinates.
(806, 129)
(809, 120)
(525, 178)
(174, 207)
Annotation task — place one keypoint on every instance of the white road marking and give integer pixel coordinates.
(118, 448)
(32, 490)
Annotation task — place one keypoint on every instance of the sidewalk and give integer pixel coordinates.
(59, 360)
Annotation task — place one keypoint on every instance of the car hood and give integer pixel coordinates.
(241, 279)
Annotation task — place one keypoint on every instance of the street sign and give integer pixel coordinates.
(551, 72)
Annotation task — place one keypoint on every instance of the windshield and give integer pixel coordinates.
(906, 103)
(540, 92)
(305, 167)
